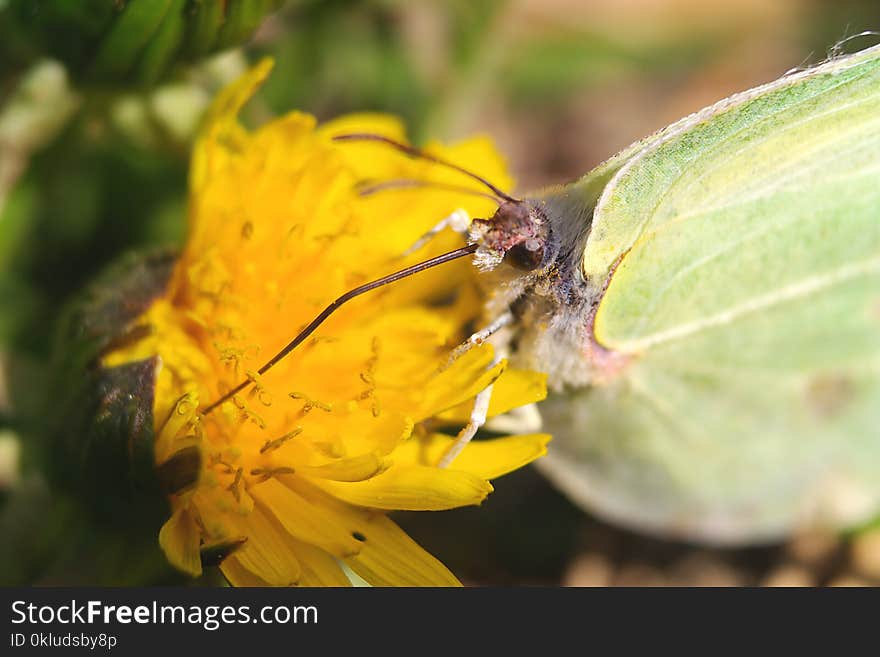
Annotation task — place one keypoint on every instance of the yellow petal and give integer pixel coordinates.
(379, 124)
(486, 459)
(356, 468)
(461, 381)
(304, 521)
(234, 96)
(391, 558)
(183, 413)
(319, 568)
(179, 539)
(277, 206)
(512, 389)
(238, 575)
(221, 125)
(388, 557)
(268, 553)
(412, 488)
(483, 158)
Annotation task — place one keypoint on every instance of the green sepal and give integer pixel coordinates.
(100, 419)
(165, 44)
(203, 25)
(130, 34)
(130, 42)
(242, 18)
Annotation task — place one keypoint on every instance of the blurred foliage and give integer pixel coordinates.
(125, 42)
(93, 163)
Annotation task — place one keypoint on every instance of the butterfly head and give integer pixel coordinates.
(516, 234)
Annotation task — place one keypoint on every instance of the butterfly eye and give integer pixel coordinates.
(527, 255)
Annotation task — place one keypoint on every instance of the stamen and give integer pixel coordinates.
(214, 295)
(231, 332)
(230, 355)
(311, 403)
(248, 413)
(324, 338)
(184, 406)
(233, 487)
(368, 377)
(263, 395)
(278, 442)
(267, 473)
(346, 231)
(217, 459)
(296, 230)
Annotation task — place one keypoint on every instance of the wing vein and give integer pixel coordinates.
(781, 295)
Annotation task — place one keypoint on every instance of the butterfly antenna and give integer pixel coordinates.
(412, 151)
(368, 189)
(333, 307)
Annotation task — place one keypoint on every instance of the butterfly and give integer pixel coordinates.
(706, 304)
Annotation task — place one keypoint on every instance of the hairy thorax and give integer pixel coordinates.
(530, 254)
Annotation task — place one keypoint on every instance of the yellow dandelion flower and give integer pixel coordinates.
(296, 474)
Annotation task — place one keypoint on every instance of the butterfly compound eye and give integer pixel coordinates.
(527, 255)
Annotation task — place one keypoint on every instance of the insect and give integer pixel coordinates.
(707, 306)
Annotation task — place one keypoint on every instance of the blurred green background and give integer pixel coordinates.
(96, 124)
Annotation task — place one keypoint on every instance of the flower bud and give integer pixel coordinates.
(108, 41)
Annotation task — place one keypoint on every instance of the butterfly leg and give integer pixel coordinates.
(459, 221)
(479, 337)
(476, 420)
(480, 410)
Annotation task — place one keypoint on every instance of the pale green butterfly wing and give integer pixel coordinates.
(747, 303)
